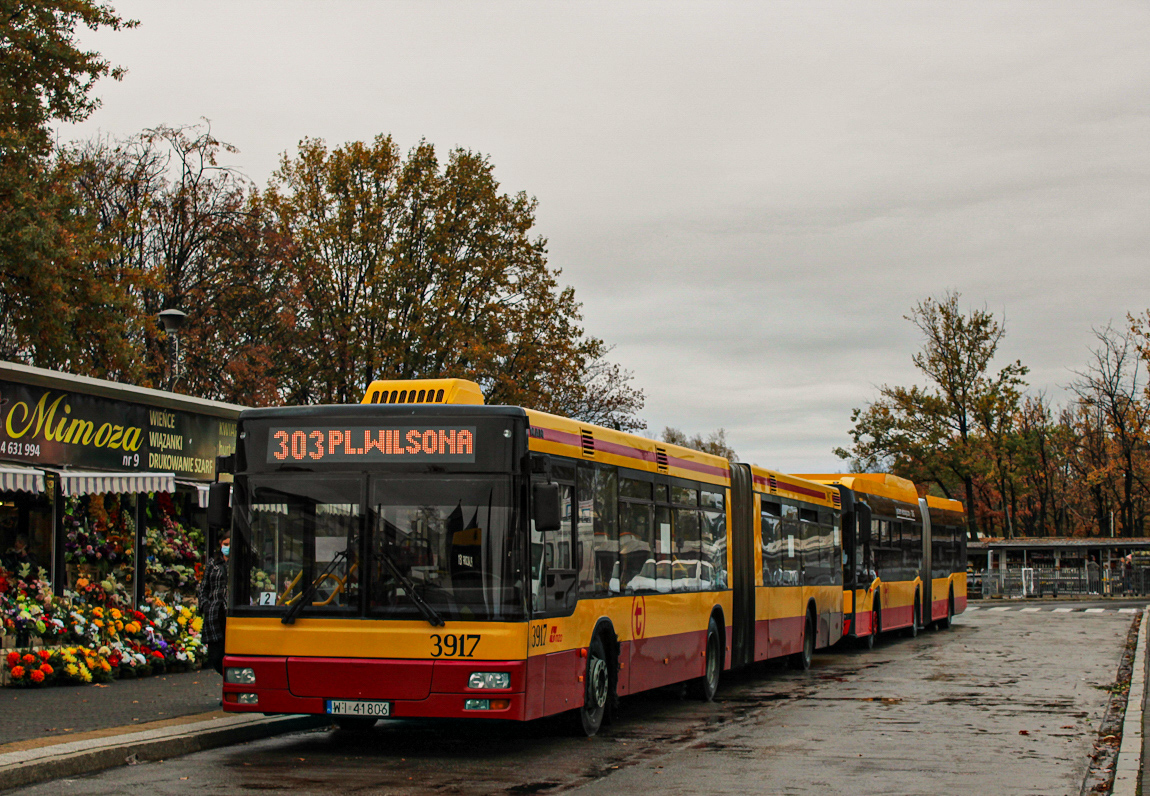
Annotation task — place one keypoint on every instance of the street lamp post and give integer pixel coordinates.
(172, 321)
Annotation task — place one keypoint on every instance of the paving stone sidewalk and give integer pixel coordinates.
(59, 712)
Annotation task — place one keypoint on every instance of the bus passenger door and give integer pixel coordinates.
(742, 541)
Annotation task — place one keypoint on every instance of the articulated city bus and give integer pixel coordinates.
(421, 554)
(901, 553)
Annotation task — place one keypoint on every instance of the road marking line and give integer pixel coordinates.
(1128, 610)
(1063, 610)
(1095, 610)
(1003, 608)
(974, 608)
(1031, 610)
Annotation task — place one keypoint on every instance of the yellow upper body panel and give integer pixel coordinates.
(561, 436)
(878, 484)
(945, 503)
(771, 482)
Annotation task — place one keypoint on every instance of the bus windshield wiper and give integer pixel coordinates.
(434, 619)
(304, 598)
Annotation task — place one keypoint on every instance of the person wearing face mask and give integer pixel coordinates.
(213, 602)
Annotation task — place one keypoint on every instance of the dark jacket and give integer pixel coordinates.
(213, 599)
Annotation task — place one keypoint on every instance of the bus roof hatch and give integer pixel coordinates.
(423, 391)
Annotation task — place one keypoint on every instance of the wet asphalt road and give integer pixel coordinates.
(1004, 703)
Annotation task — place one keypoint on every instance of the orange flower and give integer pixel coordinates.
(29, 659)
(17, 672)
(81, 583)
(13, 659)
(45, 655)
(37, 676)
(47, 668)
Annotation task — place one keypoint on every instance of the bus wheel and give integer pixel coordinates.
(876, 620)
(802, 660)
(912, 631)
(706, 686)
(867, 641)
(596, 688)
(355, 723)
(944, 624)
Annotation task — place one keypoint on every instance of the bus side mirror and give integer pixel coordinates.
(545, 507)
(220, 505)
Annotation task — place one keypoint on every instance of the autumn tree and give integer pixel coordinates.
(191, 234)
(53, 312)
(406, 268)
(1113, 385)
(929, 433)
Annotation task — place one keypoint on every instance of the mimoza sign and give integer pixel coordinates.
(51, 427)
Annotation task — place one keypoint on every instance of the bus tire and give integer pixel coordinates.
(802, 660)
(912, 631)
(596, 688)
(876, 620)
(944, 624)
(355, 723)
(706, 686)
(867, 641)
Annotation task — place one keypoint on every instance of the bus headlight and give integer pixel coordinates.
(243, 676)
(489, 680)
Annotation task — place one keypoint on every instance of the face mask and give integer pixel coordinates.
(225, 549)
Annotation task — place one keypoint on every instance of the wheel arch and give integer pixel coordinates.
(719, 616)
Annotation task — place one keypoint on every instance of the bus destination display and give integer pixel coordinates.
(299, 444)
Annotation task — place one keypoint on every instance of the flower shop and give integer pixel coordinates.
(103, 526)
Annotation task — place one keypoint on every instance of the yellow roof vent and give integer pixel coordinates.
(424, 391)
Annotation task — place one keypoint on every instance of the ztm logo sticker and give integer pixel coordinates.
(638, 616)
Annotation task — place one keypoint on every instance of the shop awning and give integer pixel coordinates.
(77, 482)
(201, 491)
(14, 478)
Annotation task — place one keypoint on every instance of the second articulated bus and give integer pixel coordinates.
(905, 556)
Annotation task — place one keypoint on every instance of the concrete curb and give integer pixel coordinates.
(77, 758)
(1129, 762)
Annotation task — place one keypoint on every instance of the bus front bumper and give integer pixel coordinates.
(411, 689)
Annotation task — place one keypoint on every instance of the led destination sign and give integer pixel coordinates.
(298, 444)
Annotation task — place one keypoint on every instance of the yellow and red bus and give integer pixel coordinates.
(424, 555)
(904, 556)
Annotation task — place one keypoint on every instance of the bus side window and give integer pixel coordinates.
(559, 578)
(664, 549)
(792, 547)
(772, 544)
(812, 547)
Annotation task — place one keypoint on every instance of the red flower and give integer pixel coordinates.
(46, 669)
(37, 676)
(13, 659)
(29, 659)
(17, 672)
(45, 655)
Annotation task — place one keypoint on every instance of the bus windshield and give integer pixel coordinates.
(449, 538)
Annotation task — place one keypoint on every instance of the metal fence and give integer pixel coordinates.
(1043, 582)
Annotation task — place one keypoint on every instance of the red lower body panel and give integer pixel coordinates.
(660, 661)
(435, 689)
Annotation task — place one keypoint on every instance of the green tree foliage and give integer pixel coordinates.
(53, 311)
(714, 443)
(942, 433)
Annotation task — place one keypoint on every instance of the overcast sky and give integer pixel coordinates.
(747, 197)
